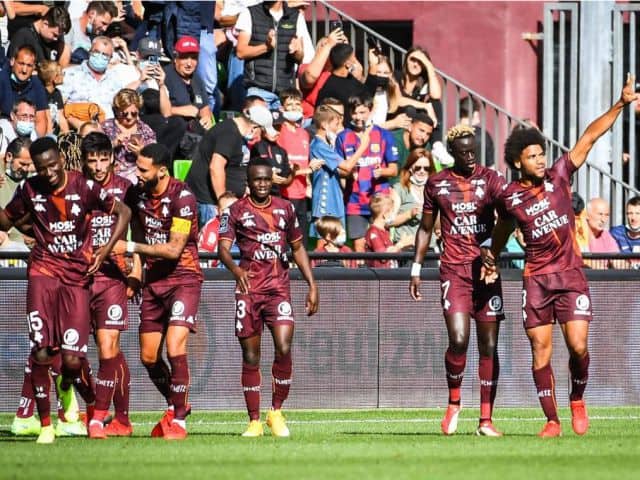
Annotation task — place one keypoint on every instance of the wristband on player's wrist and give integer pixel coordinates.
(131, 247)
(416, 268)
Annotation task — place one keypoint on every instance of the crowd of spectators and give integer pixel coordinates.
(221, 82)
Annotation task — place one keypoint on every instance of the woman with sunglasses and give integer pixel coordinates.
(127, 132)
(408, 195)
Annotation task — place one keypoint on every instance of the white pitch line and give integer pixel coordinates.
(345, 421)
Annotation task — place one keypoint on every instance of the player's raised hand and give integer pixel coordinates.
(629, 93)
(414, 289)
(313, 300)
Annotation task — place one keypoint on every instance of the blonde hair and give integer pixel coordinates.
(48, 70)
(459, 131)
(379, 203)
(125, 98)
(329, 226)
(325, 113)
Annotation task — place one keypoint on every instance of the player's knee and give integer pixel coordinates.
(578, 350)
(71, 362)
(283, 350)
(487, 348)
(458, 342)
(148, 359)
(251, 358)
(41, 356)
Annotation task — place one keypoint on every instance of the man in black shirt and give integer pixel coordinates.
(46, 36)
(342, 84)
(220, 161)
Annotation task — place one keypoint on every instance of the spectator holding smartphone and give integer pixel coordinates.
(127, 132)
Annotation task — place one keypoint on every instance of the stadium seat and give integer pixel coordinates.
(181, 168)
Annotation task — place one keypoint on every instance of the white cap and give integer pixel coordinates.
(262, 117)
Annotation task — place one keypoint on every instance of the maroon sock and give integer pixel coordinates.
(27, 398)
(488, 371)
(83, 380)
(251, 385)
(546, 387)
(281, 372)
(106, 382)
(41, 382)
(454, 364)
(160, 375)
(179, 385)
(579, 368)
(121, 395)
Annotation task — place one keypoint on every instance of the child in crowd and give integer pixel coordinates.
(334, 235)
(295, 140)
(208, 237)
(378, 238)
(50, 73)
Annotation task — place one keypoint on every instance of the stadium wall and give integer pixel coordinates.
(369, 346)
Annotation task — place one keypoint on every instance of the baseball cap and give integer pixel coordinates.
(187, 45)
(262, 117)
(148, 47)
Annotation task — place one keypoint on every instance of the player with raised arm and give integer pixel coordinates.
(109, 292)
(59, 206)
(264, 227)
(165, 230)
(554, 285)
(464, 197)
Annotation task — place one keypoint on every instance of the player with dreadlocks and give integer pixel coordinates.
(464, 197)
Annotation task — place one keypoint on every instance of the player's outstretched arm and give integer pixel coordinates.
(123, 217)
(423, 238)
(302, 260)
(242, 276)
(600, 125)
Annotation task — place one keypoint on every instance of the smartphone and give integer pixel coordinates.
(153, 60)
(335, 24)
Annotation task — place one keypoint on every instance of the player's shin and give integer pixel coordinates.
(160, 375)
(281, 372)
(454, 366)
(121, 394)
(251, 386)
(105, 386)
(179, 389)
(27, 398)
(488, 371)
(579, 368)
(545, 385)
(41, 382)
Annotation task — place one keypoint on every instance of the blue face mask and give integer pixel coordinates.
(98, 62)
(89, 29)
(24, 128)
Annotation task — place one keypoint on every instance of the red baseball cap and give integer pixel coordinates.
(187, 45)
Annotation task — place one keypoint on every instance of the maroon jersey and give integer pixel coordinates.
(546, 218)
(102, 226)
(154, 217)
(466, 207)
(61, 224)
(263, 235)
(378, 240)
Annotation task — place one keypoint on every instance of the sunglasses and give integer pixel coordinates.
(127, 114)
(418, 168)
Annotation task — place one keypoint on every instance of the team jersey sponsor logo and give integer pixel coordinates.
(538, 207)
(547, 223)
(62, 226)
(184, 193)
(495, 306)
(114, 313)
(269, 237)
(443, 191)
(224, 224)
(467, 225)
(464, 207)
(75, 210)
(186, 211)
(479, 192)
(74, 197)
(582, 305)
(285, 311)
(247, 220)
(478, 181)
(548, 187)
(368, 161)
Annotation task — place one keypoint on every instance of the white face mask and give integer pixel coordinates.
(331, 137)
(631, 229)
(418, 181)
(340, 239)
(292, 116)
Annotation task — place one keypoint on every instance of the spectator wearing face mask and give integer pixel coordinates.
(17, 167)
(18, 82)
(331, 231)
(19, 125)
(94, 22)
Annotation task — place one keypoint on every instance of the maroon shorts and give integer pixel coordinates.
(551, 297)
(165, 305)
(109, 305)
(58, 315)
(463, 291)
(252, 311)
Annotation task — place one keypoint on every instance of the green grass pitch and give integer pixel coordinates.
(336, 444)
